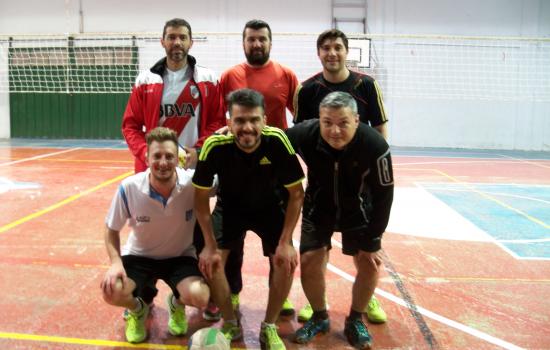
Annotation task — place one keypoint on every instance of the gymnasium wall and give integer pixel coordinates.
(467, 123)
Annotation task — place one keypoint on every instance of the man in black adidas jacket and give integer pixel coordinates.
(350, 189)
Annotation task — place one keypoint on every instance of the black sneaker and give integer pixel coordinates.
(287, 309)
(357, 334)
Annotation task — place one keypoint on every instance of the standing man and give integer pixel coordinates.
(158, 206)
(277, 83)
(332, 49)
(279, 86)
(349, 189)
(256, 167)
(175, 93)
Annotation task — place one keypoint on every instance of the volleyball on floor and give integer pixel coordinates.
(208, 339)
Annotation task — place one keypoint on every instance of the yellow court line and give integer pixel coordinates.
(62, 203)
(92, 342)
(491, 198)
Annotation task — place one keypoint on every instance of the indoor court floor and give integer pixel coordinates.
(466, 254)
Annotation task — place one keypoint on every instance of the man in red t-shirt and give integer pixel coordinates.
(277, 83)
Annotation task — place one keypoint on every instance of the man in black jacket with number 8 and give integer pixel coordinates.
(350, 189)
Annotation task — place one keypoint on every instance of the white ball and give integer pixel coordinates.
(208, 339)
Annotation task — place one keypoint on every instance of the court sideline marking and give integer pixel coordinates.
(40, 156)
(79, 341)
(425, 312)
(94, 342)
(411, 304)
(527, 161)
(63, 202)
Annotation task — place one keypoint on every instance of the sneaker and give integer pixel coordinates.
(135, 324)
(374, 311)
(126, 311)
(235, 302)
(287, 309)
(212, 313)
(232, 331)
(357, 334)
(311, 329)
(269, 338)
(177, 323)
(306, 312)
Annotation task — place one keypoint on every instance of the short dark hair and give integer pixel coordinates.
(245, 97)
(161, 134)
(339, 99)
(332, 34)
(177, 22)
(257, 24)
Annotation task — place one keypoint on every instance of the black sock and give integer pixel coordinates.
(355, 315)
(320, 315)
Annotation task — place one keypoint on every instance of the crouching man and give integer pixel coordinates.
(158, 205)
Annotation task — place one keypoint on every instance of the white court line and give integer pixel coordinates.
(448, 322)
(523, 241)
(40, 156)
(528, 161)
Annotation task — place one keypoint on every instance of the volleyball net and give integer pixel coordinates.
(411, 66)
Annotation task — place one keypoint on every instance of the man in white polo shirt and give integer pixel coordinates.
(158, 206)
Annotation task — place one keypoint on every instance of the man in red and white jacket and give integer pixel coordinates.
(175, 93)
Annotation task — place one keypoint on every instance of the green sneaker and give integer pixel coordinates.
(177, 323)
(287, 309)
(374, 311)
(235, 302)
(232, 331)
(135, 324)
(306, 312)
(269, 338)
(126, 311)
(357, 334)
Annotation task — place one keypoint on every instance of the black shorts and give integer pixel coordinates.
(315, 236)
(230, 227)
(145, 271)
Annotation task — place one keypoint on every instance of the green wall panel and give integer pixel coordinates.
(59, 115)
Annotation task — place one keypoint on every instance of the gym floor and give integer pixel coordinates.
(466, 254)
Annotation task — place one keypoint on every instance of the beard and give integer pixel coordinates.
(247, 141)
(177, 55)
(257, 57)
